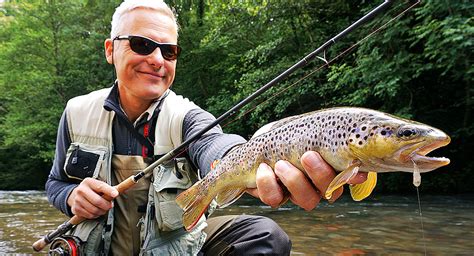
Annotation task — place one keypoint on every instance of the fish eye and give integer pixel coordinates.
(407, 133)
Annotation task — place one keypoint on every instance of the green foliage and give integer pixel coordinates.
(49, 52)
(419, 66)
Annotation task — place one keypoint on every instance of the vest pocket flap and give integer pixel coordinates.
(171, 176)
(85, 228)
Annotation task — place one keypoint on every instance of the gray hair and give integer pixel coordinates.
(129, 5)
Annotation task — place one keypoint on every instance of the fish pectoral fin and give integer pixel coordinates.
(342, 178)
(363, 190)
(228, 196)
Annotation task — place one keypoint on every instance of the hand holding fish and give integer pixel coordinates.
(304, 191)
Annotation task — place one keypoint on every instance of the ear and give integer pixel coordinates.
(109, 49)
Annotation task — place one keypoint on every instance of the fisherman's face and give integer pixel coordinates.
(143, 78)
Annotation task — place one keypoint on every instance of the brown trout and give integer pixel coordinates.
(349, 139)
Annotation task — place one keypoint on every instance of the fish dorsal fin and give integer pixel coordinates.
(363, 190)
(342, 178)
(228, 196)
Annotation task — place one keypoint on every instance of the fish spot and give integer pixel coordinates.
(360, 142)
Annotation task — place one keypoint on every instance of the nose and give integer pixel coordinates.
(156, 58)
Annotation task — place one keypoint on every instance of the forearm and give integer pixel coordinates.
(212, 145)
(59, 186)
(57, 192)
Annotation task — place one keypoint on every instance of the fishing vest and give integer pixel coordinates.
(90, 154)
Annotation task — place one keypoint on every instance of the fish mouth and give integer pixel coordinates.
(428, 163)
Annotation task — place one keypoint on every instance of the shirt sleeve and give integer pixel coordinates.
(58, 185)
(212, 145)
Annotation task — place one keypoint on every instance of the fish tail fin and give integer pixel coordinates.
(363, 190)
(228, 196)
(194, 204)
(187, 197)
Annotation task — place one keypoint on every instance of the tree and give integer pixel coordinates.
(51, 53)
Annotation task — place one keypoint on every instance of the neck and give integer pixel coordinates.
(133, 107)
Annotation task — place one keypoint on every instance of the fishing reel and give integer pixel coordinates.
(66, 246)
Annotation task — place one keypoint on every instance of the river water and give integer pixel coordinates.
(379, 225)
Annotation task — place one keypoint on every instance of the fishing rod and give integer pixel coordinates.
(132, 180)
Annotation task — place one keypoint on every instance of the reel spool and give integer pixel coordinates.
(66, 246)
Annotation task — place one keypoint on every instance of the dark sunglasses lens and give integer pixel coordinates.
(145, 46)
(142, 45)
(169, 52)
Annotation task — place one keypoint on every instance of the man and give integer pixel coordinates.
(110, 134)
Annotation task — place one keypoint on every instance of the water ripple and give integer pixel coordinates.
(379, 225)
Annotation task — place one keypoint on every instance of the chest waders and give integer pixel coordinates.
(124, 230)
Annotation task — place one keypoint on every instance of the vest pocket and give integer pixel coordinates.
(83, 161)
(170, 180)
(90, 231)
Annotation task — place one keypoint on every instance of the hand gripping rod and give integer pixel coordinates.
(132, 180)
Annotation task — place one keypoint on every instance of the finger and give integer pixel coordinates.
(359, 178)
(91, 192)
(320, 173)
(84, 208)
(102, 188)
(269, 191)
(253, 192)
(302, 191)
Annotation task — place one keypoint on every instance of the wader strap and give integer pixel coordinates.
(109, 223)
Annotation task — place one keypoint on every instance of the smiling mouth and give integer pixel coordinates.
(152, 74)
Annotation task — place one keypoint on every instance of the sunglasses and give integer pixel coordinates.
(145, 46)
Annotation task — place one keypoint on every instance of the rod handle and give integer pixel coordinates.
(124, 185)
(40, 244)
(66, 226)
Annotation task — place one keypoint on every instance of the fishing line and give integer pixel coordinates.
(421, 220)
(326, 63)
(417, 182)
